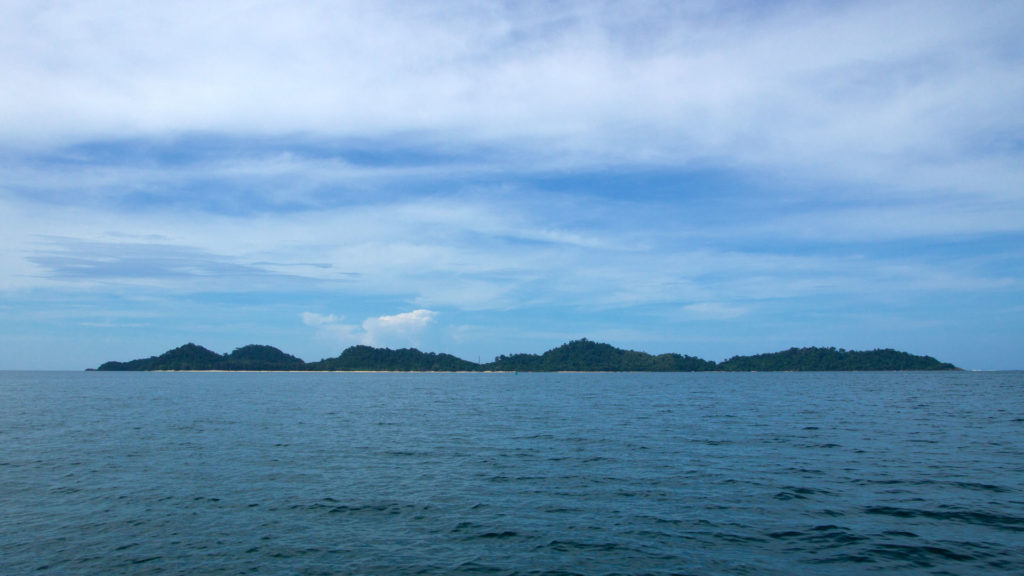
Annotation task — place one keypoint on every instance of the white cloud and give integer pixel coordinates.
(833, 90)
(402, 327)
(389, 330)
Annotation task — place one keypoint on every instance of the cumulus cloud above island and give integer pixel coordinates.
(396, 329)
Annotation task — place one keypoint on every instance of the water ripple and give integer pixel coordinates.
(588, 474)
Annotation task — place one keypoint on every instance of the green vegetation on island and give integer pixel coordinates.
(831, 360)
(368, 358)
(586, 356)
(576, 356)
(193, 357)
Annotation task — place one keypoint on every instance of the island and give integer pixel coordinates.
(577, 356)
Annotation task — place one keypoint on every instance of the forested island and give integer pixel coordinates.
(576, 356)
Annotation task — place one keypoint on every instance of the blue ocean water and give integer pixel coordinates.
(289, 473)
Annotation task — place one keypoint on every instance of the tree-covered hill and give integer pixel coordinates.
(402, 360)
(187, 357)
(576, 356)
(586, 356)
(830, 359)
(193, 357)
(260, 357)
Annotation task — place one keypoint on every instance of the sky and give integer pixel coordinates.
(484, 178)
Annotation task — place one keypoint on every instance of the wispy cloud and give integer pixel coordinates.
(714, 310)
(314, 319)
(477, 254)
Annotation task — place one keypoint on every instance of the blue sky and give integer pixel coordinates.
(482, 178)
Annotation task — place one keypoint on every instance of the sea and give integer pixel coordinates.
(106, 473)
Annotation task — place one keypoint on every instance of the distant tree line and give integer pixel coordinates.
(576, 356)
